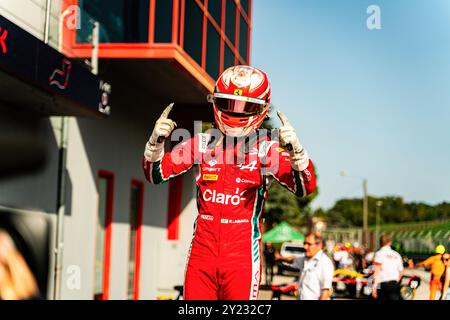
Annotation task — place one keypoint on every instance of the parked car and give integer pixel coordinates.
(290, 249)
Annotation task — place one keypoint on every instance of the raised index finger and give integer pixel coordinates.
(166, 111)
(283, 118)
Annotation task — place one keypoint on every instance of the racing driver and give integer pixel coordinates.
(236, 163)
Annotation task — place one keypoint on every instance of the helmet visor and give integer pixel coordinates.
(237, 104)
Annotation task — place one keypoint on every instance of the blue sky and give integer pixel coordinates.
(375, 103)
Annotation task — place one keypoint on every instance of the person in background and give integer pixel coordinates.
(360, 262)
(335, 255)
(269, 259)
(316, 269)
(445, 278)
(16, 279)
(388, 271)
(437, 269)
(370, 255)
(342, 257)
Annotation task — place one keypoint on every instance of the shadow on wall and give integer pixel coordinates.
(21, 149)
(29, 162)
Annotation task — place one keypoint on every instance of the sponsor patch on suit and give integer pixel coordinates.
(210, 177)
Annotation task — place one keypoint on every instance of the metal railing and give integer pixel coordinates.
(420, 237)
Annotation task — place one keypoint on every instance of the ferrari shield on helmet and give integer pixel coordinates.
(240, 100)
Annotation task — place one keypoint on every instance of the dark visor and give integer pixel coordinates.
(237, 106)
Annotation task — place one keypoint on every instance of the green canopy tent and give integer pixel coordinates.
(282, 233)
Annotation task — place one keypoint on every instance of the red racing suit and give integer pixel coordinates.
(224, 260)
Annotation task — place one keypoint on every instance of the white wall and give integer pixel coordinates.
(30, 16)
(36, 191)
(80, 225)
(27, 14)
(172, 254)
(163, 261)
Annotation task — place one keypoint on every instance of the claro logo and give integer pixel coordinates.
(240, 180)
(3, 36)
(220, 198)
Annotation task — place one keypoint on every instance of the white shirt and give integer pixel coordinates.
(316, 274)
(340, 255)
(390, 263)
(369, 257)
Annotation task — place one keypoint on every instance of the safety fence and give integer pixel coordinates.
(414, 238)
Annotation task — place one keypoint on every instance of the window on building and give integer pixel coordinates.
(230, 20)
(193, 30)
(243, 38)
(124, 21)
(244, 5)
(228, 57)
(213, 52)
(105, 185)
(136, 211)
(215, 9)
(163, 20)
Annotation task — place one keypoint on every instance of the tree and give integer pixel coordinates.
(348, 212)
(304, 202)
(283, 205)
